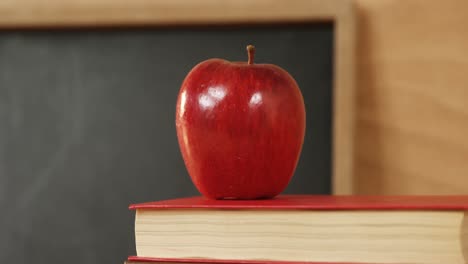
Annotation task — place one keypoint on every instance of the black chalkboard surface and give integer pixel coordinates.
(88, 128)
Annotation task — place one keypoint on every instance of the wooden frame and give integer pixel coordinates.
(16, 14)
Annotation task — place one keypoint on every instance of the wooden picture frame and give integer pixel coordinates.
(123, 13)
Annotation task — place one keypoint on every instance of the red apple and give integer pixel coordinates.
(240, 128)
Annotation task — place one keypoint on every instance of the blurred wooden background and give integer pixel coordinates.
(412, 78)
(412, 109)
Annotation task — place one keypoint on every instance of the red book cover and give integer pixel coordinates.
(318, 202)
(215, 261)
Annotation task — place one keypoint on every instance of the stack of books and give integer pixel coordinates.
(303, 229)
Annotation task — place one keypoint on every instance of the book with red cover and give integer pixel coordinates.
(143, 260)
(318, 202)
(387, 227)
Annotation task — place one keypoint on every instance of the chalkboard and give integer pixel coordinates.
(88, 128)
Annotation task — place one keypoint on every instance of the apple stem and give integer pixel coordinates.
(251, 54)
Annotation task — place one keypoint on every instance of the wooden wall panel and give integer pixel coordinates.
(412, 97)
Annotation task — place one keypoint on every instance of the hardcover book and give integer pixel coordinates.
(300, 229)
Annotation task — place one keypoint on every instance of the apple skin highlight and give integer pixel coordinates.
(240, 128)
